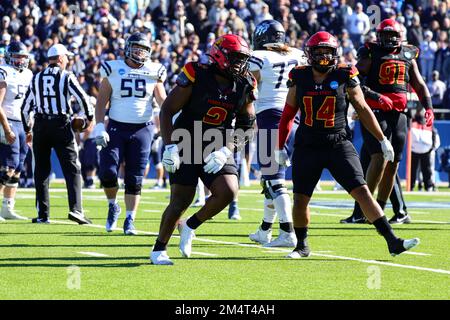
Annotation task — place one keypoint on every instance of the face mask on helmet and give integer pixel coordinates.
(322, 58)
(238, 63)
(389, 39)
(137, 53)
(18, 61)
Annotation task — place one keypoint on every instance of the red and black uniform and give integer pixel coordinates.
(389, 76)
(322, 140)
(210, 107)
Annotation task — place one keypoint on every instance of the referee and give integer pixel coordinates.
(49, 97)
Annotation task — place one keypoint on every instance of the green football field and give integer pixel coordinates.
(67, 261)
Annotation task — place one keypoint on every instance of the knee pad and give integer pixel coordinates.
(12, 182)
(109, 183)
(272, 189)
(133, 189)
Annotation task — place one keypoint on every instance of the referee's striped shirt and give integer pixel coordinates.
(50, 93)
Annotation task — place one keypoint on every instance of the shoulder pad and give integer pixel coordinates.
(295, 74)
(411, 52)
(106, 68)
(348, 68)
(365, 51)
(187, 75)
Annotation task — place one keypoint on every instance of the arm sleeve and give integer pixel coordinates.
(77, 91)
(27, 107)
(255, 63)
(105, 69)
(285, 125)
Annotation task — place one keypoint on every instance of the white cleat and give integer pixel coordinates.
(1, 219)
(198, 203)
(261, 236)
(8, 213)
(285, 239)
(186, 236)
(407, 245)
(160, 258)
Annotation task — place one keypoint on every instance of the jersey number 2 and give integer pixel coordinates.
(215, 116)
(127, 88)
(325, 113)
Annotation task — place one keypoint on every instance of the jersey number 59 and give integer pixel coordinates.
(133, 88)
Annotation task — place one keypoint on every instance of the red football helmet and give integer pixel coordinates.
(322, 60)
(230, 53)
(389, 34)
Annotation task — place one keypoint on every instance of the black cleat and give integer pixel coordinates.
(400, 245)
(299, 253)
(352, 219)
(40, 220)
(79, 218)
(400, 219)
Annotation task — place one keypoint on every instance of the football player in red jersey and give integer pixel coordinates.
(389, 67)
(320, 92)
(212, 95)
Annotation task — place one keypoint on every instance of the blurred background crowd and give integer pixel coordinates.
(184, 30)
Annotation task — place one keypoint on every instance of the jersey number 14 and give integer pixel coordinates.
(325, 113)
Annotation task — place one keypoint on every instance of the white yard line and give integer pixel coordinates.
(93, 254)
(204, 254)
(417, 253)
(396, 265)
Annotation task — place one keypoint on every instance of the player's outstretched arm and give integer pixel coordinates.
(103, 98)
(174, 102)
(422, 91)
(369, 121)
(9, 134)
(160, 93)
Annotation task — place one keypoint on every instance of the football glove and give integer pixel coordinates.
(100, 134)
(429, 117)
(171, 158)
(282, 158)
(385, 103)
(388, 151)
(216, 160)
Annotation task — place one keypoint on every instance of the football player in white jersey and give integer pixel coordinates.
(128, 87)
(270, 63)
(15, 78)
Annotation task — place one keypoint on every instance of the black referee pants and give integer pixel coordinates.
(421, 162)
(55, 133)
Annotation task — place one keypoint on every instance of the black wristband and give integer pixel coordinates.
(426, 103)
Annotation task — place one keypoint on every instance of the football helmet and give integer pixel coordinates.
(138, 48)
(268, 33)
(389, 34)
(320, 59)
(17, 56)
(230, 54)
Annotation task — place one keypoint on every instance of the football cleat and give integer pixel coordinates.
(198, 203)
(354, 220)
(400, 245)
(400, 219)
(79, 217)
(261, 236)
(8, 213)
(186, 236)
(1, 219)
(233, 211)
(128, 227)
(160, 258)
(40, 220)
(299, 253)
(113, 215)
(285, 239)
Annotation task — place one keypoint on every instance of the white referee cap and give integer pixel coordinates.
(58, 50)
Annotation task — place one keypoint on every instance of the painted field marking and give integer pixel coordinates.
(417, 253)
(396, 265)
(205, 254)
(93, 254)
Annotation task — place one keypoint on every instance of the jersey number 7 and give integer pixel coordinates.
(325, 113)
(282, 66)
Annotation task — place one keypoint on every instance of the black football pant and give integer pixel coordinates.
(55, 133)
(424, 161)
(396, 197)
